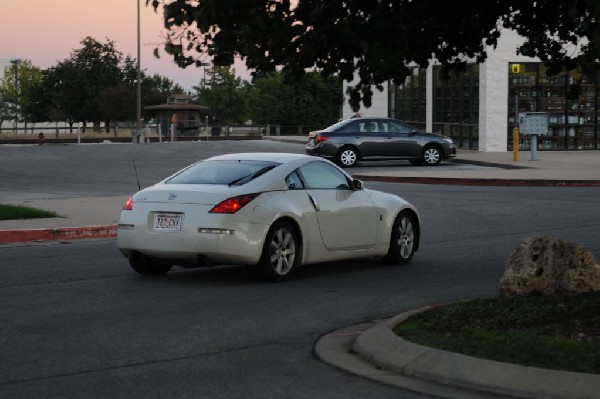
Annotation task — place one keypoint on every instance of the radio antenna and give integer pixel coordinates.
(136, 175)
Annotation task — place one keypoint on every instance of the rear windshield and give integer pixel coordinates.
(222, 172)
(338, 126)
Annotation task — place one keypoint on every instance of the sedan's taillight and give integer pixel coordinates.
(233, 204)
(320, 138)
(128, 204)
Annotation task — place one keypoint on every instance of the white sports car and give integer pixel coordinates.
(275, 212)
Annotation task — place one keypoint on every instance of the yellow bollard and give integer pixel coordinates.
(515, 144)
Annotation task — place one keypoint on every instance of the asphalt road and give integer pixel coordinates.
(58, 171)
(75, 321)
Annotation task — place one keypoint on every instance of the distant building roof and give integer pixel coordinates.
(179, 102)
(178, 107)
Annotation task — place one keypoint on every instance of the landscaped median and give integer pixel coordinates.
(17, 212)
(540, 337)
(388, 351)
(559, 332)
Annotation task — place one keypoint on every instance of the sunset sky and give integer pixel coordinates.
(47, 31)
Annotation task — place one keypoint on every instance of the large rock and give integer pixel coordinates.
(547, 266)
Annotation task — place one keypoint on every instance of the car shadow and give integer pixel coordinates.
(244, 276)
(399, 164)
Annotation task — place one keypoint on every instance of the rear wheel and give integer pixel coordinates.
(347, 157)
(432, 155)
(280, 256)
(148, 267)
(404, 239)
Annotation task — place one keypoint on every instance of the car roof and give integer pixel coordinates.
(275, 179)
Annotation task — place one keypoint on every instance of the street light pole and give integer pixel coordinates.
(214, 104)
(138, 118)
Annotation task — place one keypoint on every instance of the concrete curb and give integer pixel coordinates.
(54, 234)
(381, 346)
(482, 182)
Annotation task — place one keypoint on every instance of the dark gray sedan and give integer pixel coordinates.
(353, 140)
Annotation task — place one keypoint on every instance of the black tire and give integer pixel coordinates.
(347, 157)
(432, 155)
(404, 239)
(281, 253)
(148, 267)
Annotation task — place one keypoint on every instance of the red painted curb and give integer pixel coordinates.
(61, 233)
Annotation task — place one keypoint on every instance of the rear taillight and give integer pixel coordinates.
(320, 139)
(128, 204)
(234, 204)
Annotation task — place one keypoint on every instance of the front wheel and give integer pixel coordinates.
(281, 253)
(432, 156)
(347, 157)
(404, 239)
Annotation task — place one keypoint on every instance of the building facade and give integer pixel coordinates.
(479, 107)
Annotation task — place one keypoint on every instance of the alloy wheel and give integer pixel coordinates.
(282, 251)
(406, 237)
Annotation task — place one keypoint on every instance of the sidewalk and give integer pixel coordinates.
(88, 217)
(553, 168)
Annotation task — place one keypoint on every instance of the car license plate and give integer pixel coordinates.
(168, 221)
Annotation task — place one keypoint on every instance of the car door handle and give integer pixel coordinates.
(314, 203)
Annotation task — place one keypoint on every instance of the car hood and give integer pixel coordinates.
(432, 135)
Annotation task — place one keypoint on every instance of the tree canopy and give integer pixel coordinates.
(378, 40)
(226, 94)
(312, 100)
(78, 82)
(15, 95)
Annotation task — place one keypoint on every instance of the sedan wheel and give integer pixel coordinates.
(432, 156)
(403, 243)
(280, 255)
(347, 157)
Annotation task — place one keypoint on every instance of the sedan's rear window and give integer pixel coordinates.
(222, 172)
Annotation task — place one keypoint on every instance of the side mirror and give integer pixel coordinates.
(357, 185)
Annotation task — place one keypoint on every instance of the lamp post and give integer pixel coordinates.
(138, 117)
(204, 65)
(214, 104)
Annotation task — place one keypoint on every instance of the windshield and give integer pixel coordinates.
(222, 172)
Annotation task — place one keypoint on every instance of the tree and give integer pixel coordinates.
(77, 82)
(5, 106)
(378, 40)
(309, 101)
(226, 94)
(116, 103)
(18, 81)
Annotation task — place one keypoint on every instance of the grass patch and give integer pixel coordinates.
(554, 332)
(14, 212)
